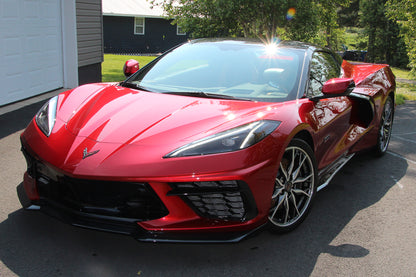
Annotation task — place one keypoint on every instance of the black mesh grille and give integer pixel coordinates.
(225, 200)
(222, 205)
(109, 198)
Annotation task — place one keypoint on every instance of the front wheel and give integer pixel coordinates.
(294, 188)
(386, 124)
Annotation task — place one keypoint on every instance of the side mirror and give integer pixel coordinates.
(130, 67)
(338, 86)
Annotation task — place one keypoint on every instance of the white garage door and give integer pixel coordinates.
(30, 48)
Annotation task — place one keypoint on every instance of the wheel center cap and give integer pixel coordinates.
(288, 186)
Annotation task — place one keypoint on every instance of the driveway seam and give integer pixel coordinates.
(401, 157)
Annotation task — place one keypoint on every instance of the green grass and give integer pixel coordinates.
(112, 67)
(404, 90)
(355, 38)
(401, 73)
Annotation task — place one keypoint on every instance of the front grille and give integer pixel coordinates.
(119, 199)
(225, 200)
(136, 201)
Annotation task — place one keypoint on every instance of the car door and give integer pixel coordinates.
(329, 117)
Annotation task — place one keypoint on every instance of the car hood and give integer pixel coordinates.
(114, 114)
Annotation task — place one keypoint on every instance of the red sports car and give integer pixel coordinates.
(209, 142)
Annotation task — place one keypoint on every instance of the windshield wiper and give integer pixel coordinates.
(206, 95)
(133, 85)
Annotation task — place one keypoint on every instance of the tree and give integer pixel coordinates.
(348, 16)
(203, 18)
(384, 41)
(246, 18)
(305, 24)
(373, 21)
(404, 12)
(328, 17)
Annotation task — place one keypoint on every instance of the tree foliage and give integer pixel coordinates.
(216, 18)
(404, 12)
(384, 41)
(348, 15)
(316, 21)
(328, 18)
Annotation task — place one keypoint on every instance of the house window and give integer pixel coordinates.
(139, 25)
(180, 31)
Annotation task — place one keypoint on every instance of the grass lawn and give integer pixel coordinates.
(112, 67)
(112, 71)
(401, 73)
(404, 90)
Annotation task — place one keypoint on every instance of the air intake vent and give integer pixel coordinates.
(225, 200)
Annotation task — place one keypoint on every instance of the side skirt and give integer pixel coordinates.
(325, 175)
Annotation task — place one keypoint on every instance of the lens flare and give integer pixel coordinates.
(290, 13)
(270, 49)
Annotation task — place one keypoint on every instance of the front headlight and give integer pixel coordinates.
(45, 118)
(231, 140)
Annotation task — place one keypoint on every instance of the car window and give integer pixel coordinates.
(323, 67)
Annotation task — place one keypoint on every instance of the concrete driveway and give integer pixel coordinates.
(362, 224)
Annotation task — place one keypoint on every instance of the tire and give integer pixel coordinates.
(294, 188)
(385, 129)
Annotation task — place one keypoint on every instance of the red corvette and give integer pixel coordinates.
(209, 142)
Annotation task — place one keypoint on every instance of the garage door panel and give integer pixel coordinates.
(31, 53)
(10, 8)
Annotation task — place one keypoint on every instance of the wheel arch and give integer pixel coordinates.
(392, 94)
(305, 136)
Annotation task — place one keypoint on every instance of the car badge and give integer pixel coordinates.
(87, 154)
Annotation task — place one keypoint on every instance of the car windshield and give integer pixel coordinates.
(233, 69)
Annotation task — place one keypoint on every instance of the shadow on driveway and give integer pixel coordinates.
(17, 120)
(32, 244)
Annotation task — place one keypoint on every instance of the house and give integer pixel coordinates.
(48, 44)
(133, 26)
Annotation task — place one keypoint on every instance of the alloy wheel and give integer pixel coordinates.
(386, 125)
(294, 188)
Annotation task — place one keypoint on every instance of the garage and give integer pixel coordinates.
(31, 57)
(48, 44)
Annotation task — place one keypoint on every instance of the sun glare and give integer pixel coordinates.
(270, 48)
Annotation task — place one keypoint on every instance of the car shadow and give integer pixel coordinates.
(17, 120)
(33, 244)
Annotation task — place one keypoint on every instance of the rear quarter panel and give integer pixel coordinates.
(376, 81)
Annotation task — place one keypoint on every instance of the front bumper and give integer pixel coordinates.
(209, 211)
(125, 226)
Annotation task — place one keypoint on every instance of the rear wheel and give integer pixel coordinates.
(295, 187)
(386, 124)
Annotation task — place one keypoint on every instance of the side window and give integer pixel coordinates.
(323, 67)
(180, 31)
(139, 25)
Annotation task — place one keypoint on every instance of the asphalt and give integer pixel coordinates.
(362, 224)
